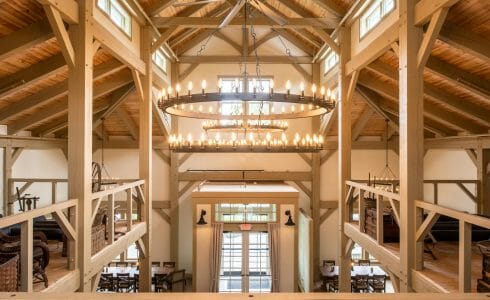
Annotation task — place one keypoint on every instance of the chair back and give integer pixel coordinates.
(328, 263)
(106, 282)
(361, 282)
(155, 264)
(379, 281)
(121, 264)
(123, 280)
(364, 262)
(168, 267)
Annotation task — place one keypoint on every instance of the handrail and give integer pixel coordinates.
(373, 190)
(117, 189)
(466, 217)
(29, 215)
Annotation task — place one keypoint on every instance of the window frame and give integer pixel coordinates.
(331, 54)
(107, 12)
(161, 68)
(384, 14)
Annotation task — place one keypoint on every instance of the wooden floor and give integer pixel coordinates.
(276, 296)
(444, 270)
(57, 266)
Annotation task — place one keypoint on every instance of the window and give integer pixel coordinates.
(374, 14)
(117, 13)
(160, 60)
(251, 213)
(132, 253)
(262, 85)
(259, 108)
(331, 61)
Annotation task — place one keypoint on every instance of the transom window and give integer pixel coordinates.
(160, 60)
(374, 14)
(331, 61)
(118, 14)
(245, 212)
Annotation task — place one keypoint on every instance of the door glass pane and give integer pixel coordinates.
(259, 263)
(231, 263)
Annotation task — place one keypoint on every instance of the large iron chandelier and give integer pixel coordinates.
(250, 131)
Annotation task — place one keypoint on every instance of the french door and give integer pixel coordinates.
(245, 262)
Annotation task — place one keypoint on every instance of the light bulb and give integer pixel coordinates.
(220, 83)
(322, 90)
(254, 83)
(302, 86)
(272, 109)
(163, 93)
(236, 83)
(203, 84)
(200, 108)
(177, 87)
(233, 136)
(251, 137)
(268, 136)
(313, 88)
(169, 91)
(283, 137)
(210, 109)
(328, 93)
(288, 85)
(271, 84)
(189, 86)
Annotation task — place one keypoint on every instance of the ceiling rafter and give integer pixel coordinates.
(24, 39)
(55, 91)
(466, 41)
(159, 6)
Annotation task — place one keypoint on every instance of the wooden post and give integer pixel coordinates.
(379, 219)
(315, 186)
(7, 174)
(26, 240)
(129, 209)
(411, 107)
(174, 184)
(483, 176)
(362, 212)
(110, 212)
(464, 272)
(344, 152)
(53, 192)
(145, 155)
(80, 102)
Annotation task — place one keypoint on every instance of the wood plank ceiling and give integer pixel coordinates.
(33, 74)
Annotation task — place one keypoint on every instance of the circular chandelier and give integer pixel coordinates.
(258, 131)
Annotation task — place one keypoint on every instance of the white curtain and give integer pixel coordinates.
(216, 256)
(273, 229)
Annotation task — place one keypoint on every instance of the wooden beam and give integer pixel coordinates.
(466, 41)
(31, 75)
(186, 188)
(425, 9)
(215, 22)
(128, 121)
(188, 45)
(327, 39)
(375, 49)
(307, 76)
(269, 36)
(26, 255)
(304, 188)
(331, 6)
(426, 226)
(229, 41)
(361, 123)
(472, 155)
(326, 214)
(54, 18)
(80, 102)
(244, 175)
(328, 121)
(65, 225)
(464, 261)
(164, 215)
(184, 158)
(305, 158)
(56, 91)
(118, 48)
(326, 156)
(430, 36)
(159, 6)
(483, 176)
(160, 118)
(24, 39)
(227, 59)
(68, 9)
(187, 72)
(163, 38)
(411, 108)
(61, 107)
(300, 44)
(233, 12)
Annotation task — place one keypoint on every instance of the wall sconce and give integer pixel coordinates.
(290, 219)
(201, 218)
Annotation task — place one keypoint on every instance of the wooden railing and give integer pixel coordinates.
(27, 183)
(465, 223)
(109, 195)
(25, 220)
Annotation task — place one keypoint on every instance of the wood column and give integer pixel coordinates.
(344, 152)
(483, 176)
(7, 174)
(315, 184)
(80, 102)
(174, 183)
(411, 109)
(145, 155)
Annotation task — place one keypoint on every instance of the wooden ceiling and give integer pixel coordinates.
(33, 74)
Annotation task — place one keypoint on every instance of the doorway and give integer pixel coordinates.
(245, 262)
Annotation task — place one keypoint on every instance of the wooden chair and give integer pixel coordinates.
(364, 262)
(155, 264)
(333, 287)
(360, 284)
(106, 283)
(122, 264)
(176, 277)
(161, 283)
(136, 283)
(123, 282)
(378, 283)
